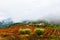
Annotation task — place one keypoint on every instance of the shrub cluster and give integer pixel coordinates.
(38, 31)
(24, 31)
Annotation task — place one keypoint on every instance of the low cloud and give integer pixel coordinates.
(20, 10)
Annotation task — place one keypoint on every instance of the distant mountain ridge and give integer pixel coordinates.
(6, 22)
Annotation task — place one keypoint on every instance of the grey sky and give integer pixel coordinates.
(20, 10)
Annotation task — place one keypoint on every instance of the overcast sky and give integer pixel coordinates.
(20, 10)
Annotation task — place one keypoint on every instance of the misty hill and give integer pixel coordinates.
(5, 23)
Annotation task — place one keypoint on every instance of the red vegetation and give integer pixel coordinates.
(14, 30)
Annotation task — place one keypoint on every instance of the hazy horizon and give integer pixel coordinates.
(20, 10)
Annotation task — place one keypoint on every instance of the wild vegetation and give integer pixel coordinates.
(31, 30)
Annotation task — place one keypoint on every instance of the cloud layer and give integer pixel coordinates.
(20, 10)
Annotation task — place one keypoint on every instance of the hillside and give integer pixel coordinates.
(7, 33)
(35, 30)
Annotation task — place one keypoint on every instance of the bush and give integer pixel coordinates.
(38, 26)
(39, 31)
(24, 31)
(21, 31)
(27, 31)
